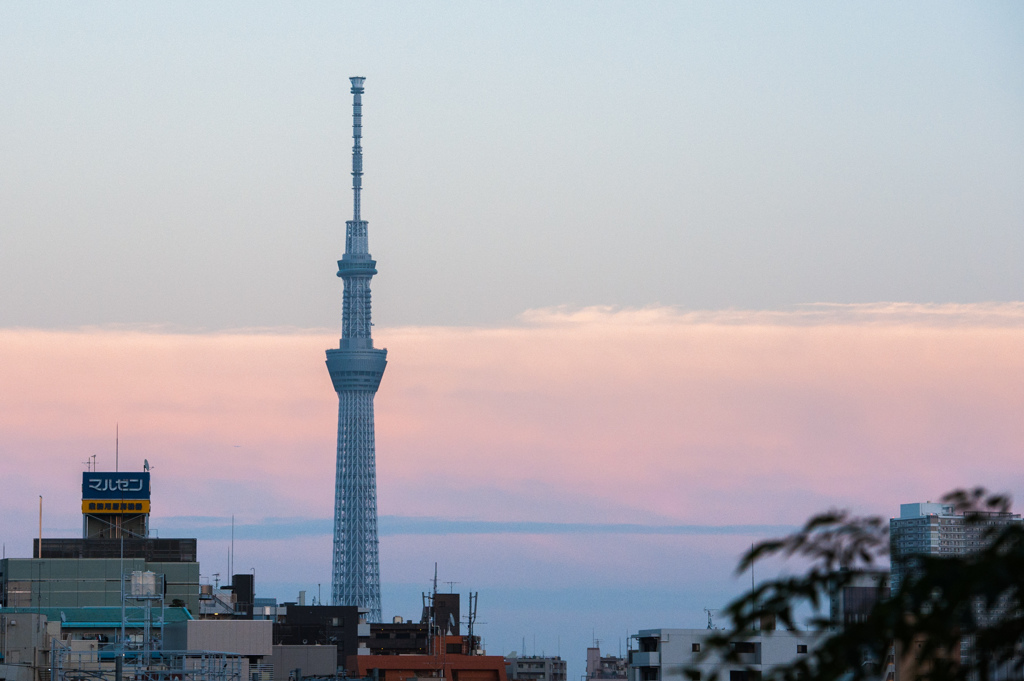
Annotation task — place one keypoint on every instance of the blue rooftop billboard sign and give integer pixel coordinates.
(115, 486)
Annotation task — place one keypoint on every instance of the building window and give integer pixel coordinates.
(744, 675)
(801, 649)
(743, 647)
(695, 648)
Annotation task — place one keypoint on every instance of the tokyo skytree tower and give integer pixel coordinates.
(356, 368)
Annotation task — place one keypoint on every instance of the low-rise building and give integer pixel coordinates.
(605, 667)
(535, 668)
(666, 654)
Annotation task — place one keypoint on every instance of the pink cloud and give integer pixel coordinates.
(588, 416)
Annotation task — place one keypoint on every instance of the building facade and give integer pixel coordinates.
(665, 654)
(90, 582)
(454, 658)
(535, 668)
(605, 667)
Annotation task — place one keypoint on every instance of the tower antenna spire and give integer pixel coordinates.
(357, 148)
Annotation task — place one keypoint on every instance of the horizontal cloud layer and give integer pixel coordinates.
(563, 430)
(205, 527)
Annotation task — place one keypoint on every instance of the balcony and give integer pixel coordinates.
(646, 659)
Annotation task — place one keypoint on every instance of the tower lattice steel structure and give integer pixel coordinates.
(356, 368)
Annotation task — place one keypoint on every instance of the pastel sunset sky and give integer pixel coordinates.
(635, 270)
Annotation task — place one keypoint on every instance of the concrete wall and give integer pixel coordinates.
(312, 660)
(22, 636)
(13, 672)
(245, 637)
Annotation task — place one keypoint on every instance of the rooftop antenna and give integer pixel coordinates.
(751, 568)
(117, 437)
(474, 599)
(711, 624)
(451, 585)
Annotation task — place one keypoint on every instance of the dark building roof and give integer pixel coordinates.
(151, 549)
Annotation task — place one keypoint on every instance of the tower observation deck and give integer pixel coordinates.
(356, 368)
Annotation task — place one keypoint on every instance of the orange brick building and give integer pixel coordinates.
(449, 660)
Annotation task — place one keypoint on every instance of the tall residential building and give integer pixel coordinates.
(356, 368)
(936, 529)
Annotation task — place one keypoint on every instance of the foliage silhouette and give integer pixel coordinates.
(977, 597)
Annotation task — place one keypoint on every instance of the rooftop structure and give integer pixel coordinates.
(115, 505)
(356, 368)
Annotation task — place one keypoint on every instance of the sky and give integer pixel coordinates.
(657, 280)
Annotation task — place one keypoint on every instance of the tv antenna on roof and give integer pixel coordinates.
(711, 624)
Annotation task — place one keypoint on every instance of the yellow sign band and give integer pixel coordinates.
(105, 506)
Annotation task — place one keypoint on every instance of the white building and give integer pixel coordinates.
(665, 654)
